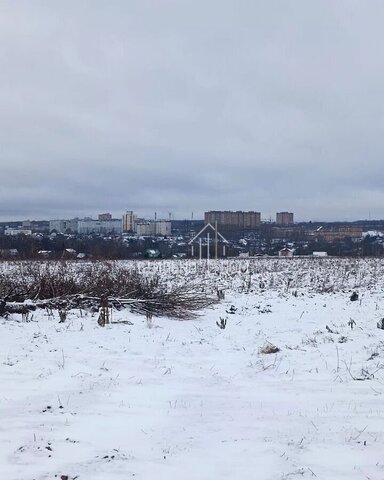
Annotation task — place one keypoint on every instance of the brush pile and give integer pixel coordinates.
(27, 286)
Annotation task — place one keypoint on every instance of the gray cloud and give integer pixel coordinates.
(181, 106)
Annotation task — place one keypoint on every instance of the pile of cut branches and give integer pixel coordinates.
(27, 286)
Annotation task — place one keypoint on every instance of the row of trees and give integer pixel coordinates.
(28, 247)
(93, 247)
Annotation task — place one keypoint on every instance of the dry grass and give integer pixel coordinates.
(269, 348)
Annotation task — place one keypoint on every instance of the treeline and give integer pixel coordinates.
(98, 248)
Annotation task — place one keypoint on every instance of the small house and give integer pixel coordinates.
(152, 253)
(9, 253)
(286, 252)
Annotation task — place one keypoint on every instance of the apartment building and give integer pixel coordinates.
(105, 227)
(129, 220)
(104, 216)
(284, 218)
(153, 227)
(63, 226)
(346, 231)
(233, 220)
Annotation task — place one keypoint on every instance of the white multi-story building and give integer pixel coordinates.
(153, 227)
(17, 231)
(143, 228)
(88, 226)
(63, 226)
(163, 228)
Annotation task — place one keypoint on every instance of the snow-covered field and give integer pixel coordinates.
(188, 400)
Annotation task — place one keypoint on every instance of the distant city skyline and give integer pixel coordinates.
(163, 215)
(191, 106)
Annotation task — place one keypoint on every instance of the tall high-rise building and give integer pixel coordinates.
(284, 218)
(129, 219)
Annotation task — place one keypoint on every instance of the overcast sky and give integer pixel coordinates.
(185, 105)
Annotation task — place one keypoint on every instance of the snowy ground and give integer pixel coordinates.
(188, 400)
